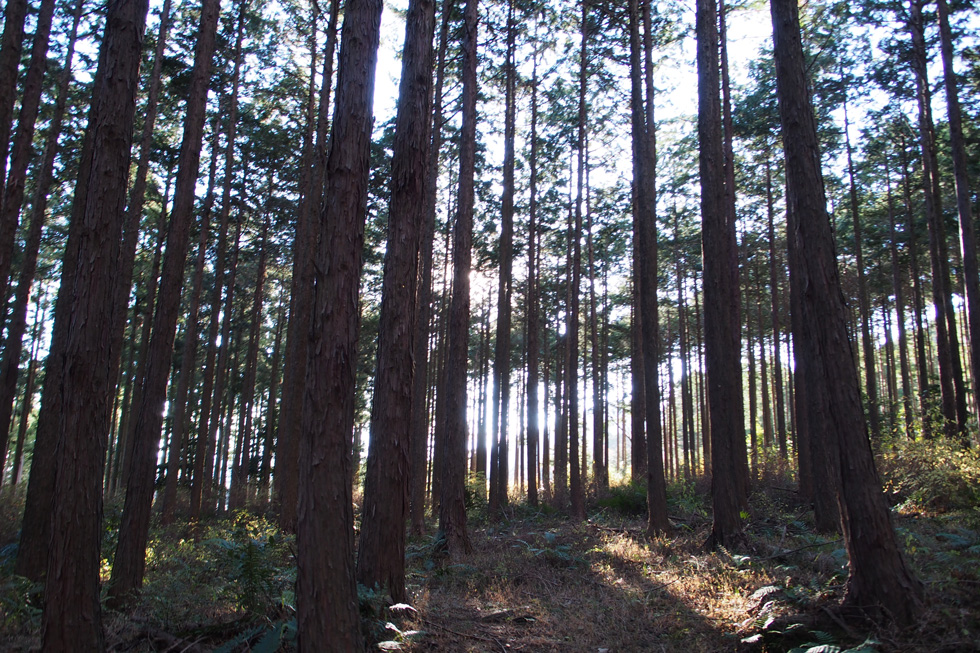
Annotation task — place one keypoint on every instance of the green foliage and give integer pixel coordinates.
(628, 499)
(475, 498)
(20, 605)
(935, 475)
(251, 558)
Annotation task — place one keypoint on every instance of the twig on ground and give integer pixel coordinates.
(840, 622)
(492, 640)
(786, 553)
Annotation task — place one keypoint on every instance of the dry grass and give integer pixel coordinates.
(537, 582)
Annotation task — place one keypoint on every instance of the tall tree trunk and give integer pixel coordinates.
(381, 552)
(23, 149)
(777, 363)
(243, 453)
(968, 243)
(17, 323)
(575, 484)
(130, 560)
(271, 407)
(71, 619)
(419, 438)
(219, 402)
(898, 290)
(864, 305)
(533, 327)
(286, 485)
(206, 426)
(11, 46)
(645, 254)
(327, 616)
(189, 354)
(501, 359)
(17, 471)
(452, 508)
(721, 324)
(878, 575)
(937, 235)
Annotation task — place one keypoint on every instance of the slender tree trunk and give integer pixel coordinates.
(898, 290)
(968, 244)
(777, 363)
(864, 305)
(937, 238)
(645, 253)
(327, 616)
(721, 325)
(501, 360)
(219, 403)
(381, 552)
(11, 46)
(189, 354)
(17, 323)
(452, 509)
(878, 575)
(286, 486)
(23, 150)
(533, 327)
(130, 560)
(575, 484)
(71, 620)
(243, 454)
(17, 471)
(271, 407)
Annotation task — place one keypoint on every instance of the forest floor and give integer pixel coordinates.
(537, 582)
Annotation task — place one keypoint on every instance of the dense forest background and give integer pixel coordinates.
(304, 279)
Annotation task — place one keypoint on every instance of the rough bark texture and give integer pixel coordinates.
(381, 550)
(71, 620)
(501, 359)
(11, 46)
(286, 483)
(17, 322)
(326, 593)
(940, 281)
(188, 359)
(22, 150)
(533, 302)
(419, 439)
(130, 560)
(721, 330)
(864, 305)
(645, 257)
(879, 579)
(968, 242)
(452, 507)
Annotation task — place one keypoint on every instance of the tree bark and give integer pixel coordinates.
(452, 534)
(130, 560)
(327, 615)
(501, 359)
(968, 243)
(17, 322)
(864, 305)
(721, 326)
(381, 550)
(286, 483)
(189, 354)
(533, 326)
(22, 150)
(878, 577)
(71, 619)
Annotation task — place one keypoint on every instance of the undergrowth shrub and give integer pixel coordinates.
(254, 559)
(627, 499)
(936, 475)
